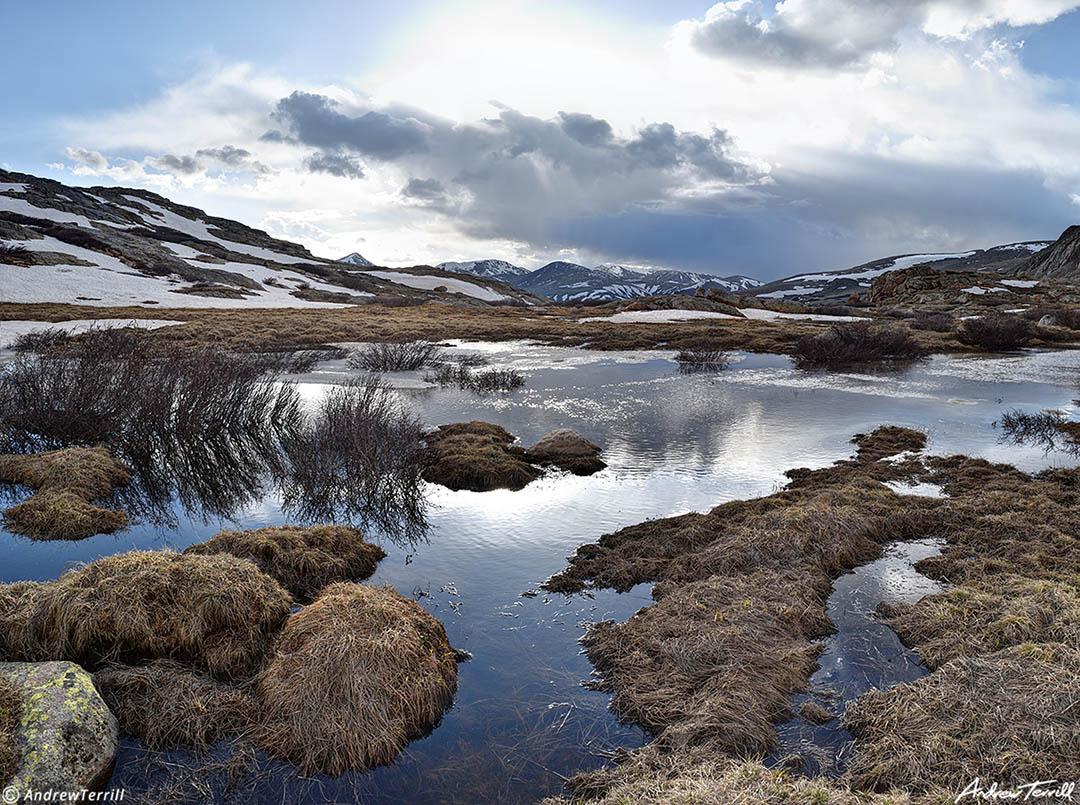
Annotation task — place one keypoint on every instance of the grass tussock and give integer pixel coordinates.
(723, 782)
(567, 450)
(463, 376)
(396, 356)
(356, 675)
(998, 332)
(933, 322)
(167, 705)
(10, 713)
(66, 481)
(478, 456)
(858, 342)
(1008, 717)
(974, 619)
(303, 559)
(218, 613)
(886, 442)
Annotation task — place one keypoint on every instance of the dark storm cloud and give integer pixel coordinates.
(424, 189)
(315, 120)
(336, 164)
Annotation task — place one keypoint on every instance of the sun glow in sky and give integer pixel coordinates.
(742, 137)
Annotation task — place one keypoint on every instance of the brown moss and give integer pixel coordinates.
(10, 713)
(477, 456)
(66, 482)
(1008, 717)
(214, 612)
(303, 559)
(168, 705)
(356, 675)
(887, 441)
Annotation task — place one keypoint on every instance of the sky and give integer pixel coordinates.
(742, 137)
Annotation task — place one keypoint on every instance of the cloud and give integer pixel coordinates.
(91, 159)
(184, 164)
(424, 189)
(846, 33)
(227, 154)
(316, 120)
(335, 164)
(586, 129)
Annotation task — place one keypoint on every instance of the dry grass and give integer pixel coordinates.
(887, 441)
(567, 450)
(214, 612)
(720, 782)
(168, 705)
(1008, 717)
(303, 559)
(477, 456)
(356, 675)
(10, 713)
(66, 481)
(980, 618)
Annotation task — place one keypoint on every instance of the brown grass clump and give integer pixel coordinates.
(567, 450)
(10, 713)
(887, 441)
(167, 705)
(477, 456)
(720, 782)
(1008, 717)
(356, 676)
(303, 559)
(66, 481)
(981, 618)
(214, 612)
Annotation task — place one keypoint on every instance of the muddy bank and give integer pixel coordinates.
(739, 600)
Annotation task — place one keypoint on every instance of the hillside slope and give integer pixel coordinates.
(108, 246)
(1060, 260)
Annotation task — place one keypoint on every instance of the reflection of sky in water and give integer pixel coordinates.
(674, 443)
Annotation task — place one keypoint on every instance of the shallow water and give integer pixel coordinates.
(674, 443)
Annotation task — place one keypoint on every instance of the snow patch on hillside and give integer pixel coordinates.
(430, 283)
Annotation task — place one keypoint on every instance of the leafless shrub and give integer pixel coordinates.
(702, 360)
(485, 382)
(396, 357)
(1051, 430)
(857, 342)
(998, 332)
(359, 458)
(41, 340)
(934, 322)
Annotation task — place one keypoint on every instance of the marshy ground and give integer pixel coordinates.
(674, 443)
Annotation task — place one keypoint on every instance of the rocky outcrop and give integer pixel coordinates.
(568, 450)
(1061, 260)
(66, 738)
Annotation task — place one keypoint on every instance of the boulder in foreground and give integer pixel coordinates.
(66, 738)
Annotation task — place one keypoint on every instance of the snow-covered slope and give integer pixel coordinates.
(111, 247)
(839, 284)
(564, 281)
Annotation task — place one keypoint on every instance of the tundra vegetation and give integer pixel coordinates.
(485, 381)
(858, 342)
(192, 649)
(10, 712)
(739, 602)
(702, 360)
(997, 332)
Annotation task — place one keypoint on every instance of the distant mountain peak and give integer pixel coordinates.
(484, 268)
(356, 259)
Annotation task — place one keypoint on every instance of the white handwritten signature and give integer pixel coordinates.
(1041, 789)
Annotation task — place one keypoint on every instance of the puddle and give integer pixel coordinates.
(862, 655)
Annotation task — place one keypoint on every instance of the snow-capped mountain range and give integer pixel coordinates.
(356, 259)
(570, 282)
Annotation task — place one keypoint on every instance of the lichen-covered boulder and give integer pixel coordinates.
(66, 738)
(568, 450)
